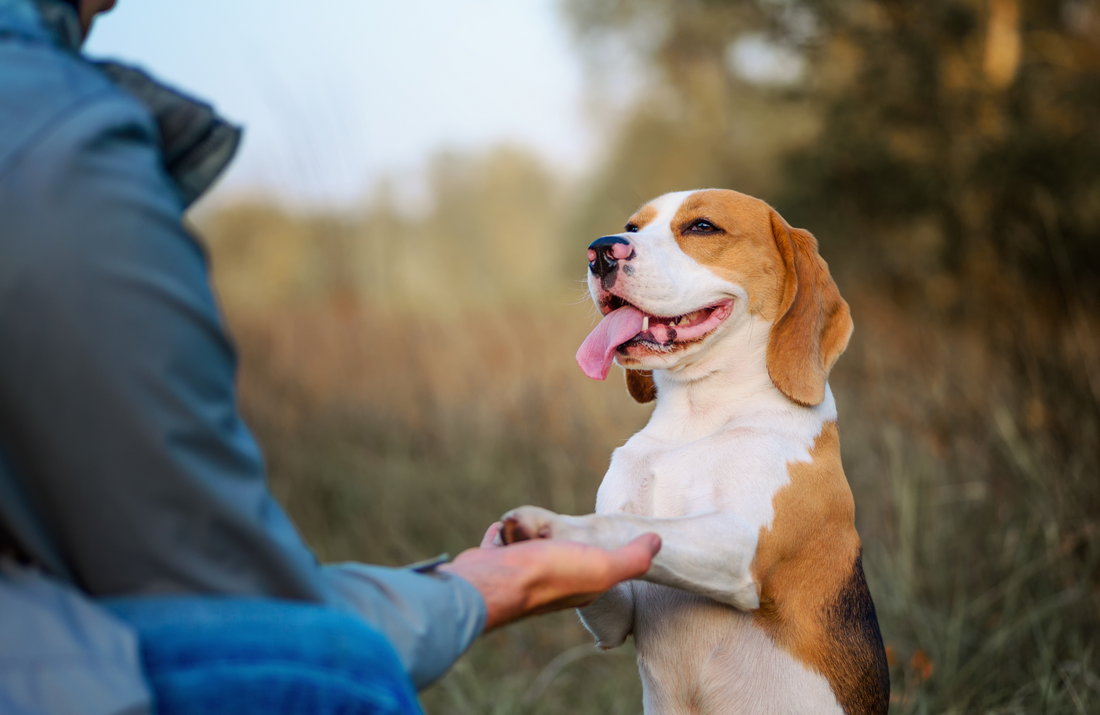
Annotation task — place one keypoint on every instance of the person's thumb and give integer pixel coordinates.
(633, 560)
(489, 541)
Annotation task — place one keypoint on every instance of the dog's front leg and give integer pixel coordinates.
(709, 554)
(610, 618)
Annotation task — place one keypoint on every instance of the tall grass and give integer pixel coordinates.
(398, 422)
(393, 438)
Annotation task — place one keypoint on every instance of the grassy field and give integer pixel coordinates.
(392, 437)
(408, 364)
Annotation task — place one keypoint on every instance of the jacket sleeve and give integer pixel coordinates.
(118, 413)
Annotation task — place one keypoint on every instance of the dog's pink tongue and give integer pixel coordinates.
(597, 352)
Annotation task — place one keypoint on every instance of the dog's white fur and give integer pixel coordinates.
(702, 474)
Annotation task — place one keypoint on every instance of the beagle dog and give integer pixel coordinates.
(757, 601)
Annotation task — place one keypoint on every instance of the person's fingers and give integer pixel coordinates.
(603, 569)
(634, 559)
(547, 575)
(578, 601)
(489, 541)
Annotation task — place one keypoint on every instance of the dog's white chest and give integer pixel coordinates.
(738, 469)
(650, 478)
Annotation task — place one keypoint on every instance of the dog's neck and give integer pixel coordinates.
(727, 381)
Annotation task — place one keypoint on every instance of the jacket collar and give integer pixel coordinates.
(61, 23)
(53, 21)
(196, 143)
(20, 18)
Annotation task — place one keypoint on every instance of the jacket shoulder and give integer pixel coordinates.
(41, 86)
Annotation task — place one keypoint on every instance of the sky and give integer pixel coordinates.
(335, 94)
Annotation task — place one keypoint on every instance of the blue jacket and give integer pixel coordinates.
(125, 467)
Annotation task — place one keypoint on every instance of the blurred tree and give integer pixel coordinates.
(957, 161)
(977, 121)
(961, 124)
(948, 149)
(696, 120)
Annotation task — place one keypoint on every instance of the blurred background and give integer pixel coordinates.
(399, 252)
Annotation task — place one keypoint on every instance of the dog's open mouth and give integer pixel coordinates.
(626, 327)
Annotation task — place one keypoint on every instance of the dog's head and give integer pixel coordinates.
(689, 269)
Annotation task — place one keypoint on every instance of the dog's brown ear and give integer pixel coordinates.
(639, 383)
(814, 323)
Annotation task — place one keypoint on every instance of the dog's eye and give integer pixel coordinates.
(631, 228)
(702, 226)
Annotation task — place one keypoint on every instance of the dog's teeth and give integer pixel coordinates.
(645, 323)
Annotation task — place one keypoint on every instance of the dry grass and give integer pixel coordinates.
(394, 437)
(405, 399)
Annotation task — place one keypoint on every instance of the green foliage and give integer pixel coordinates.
(981, 117)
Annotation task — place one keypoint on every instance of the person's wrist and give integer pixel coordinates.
(506, 584)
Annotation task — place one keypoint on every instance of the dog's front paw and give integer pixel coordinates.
(527, 522)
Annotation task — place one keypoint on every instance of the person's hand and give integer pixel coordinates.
(539, 576)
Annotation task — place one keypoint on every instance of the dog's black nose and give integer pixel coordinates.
(605, 253)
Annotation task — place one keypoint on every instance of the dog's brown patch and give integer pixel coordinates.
(642, 217)
(814, 600)
(741, 250)
(814, 322)
(787, 282)
(639, 383)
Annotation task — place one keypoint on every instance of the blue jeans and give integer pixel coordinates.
(238, 656)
